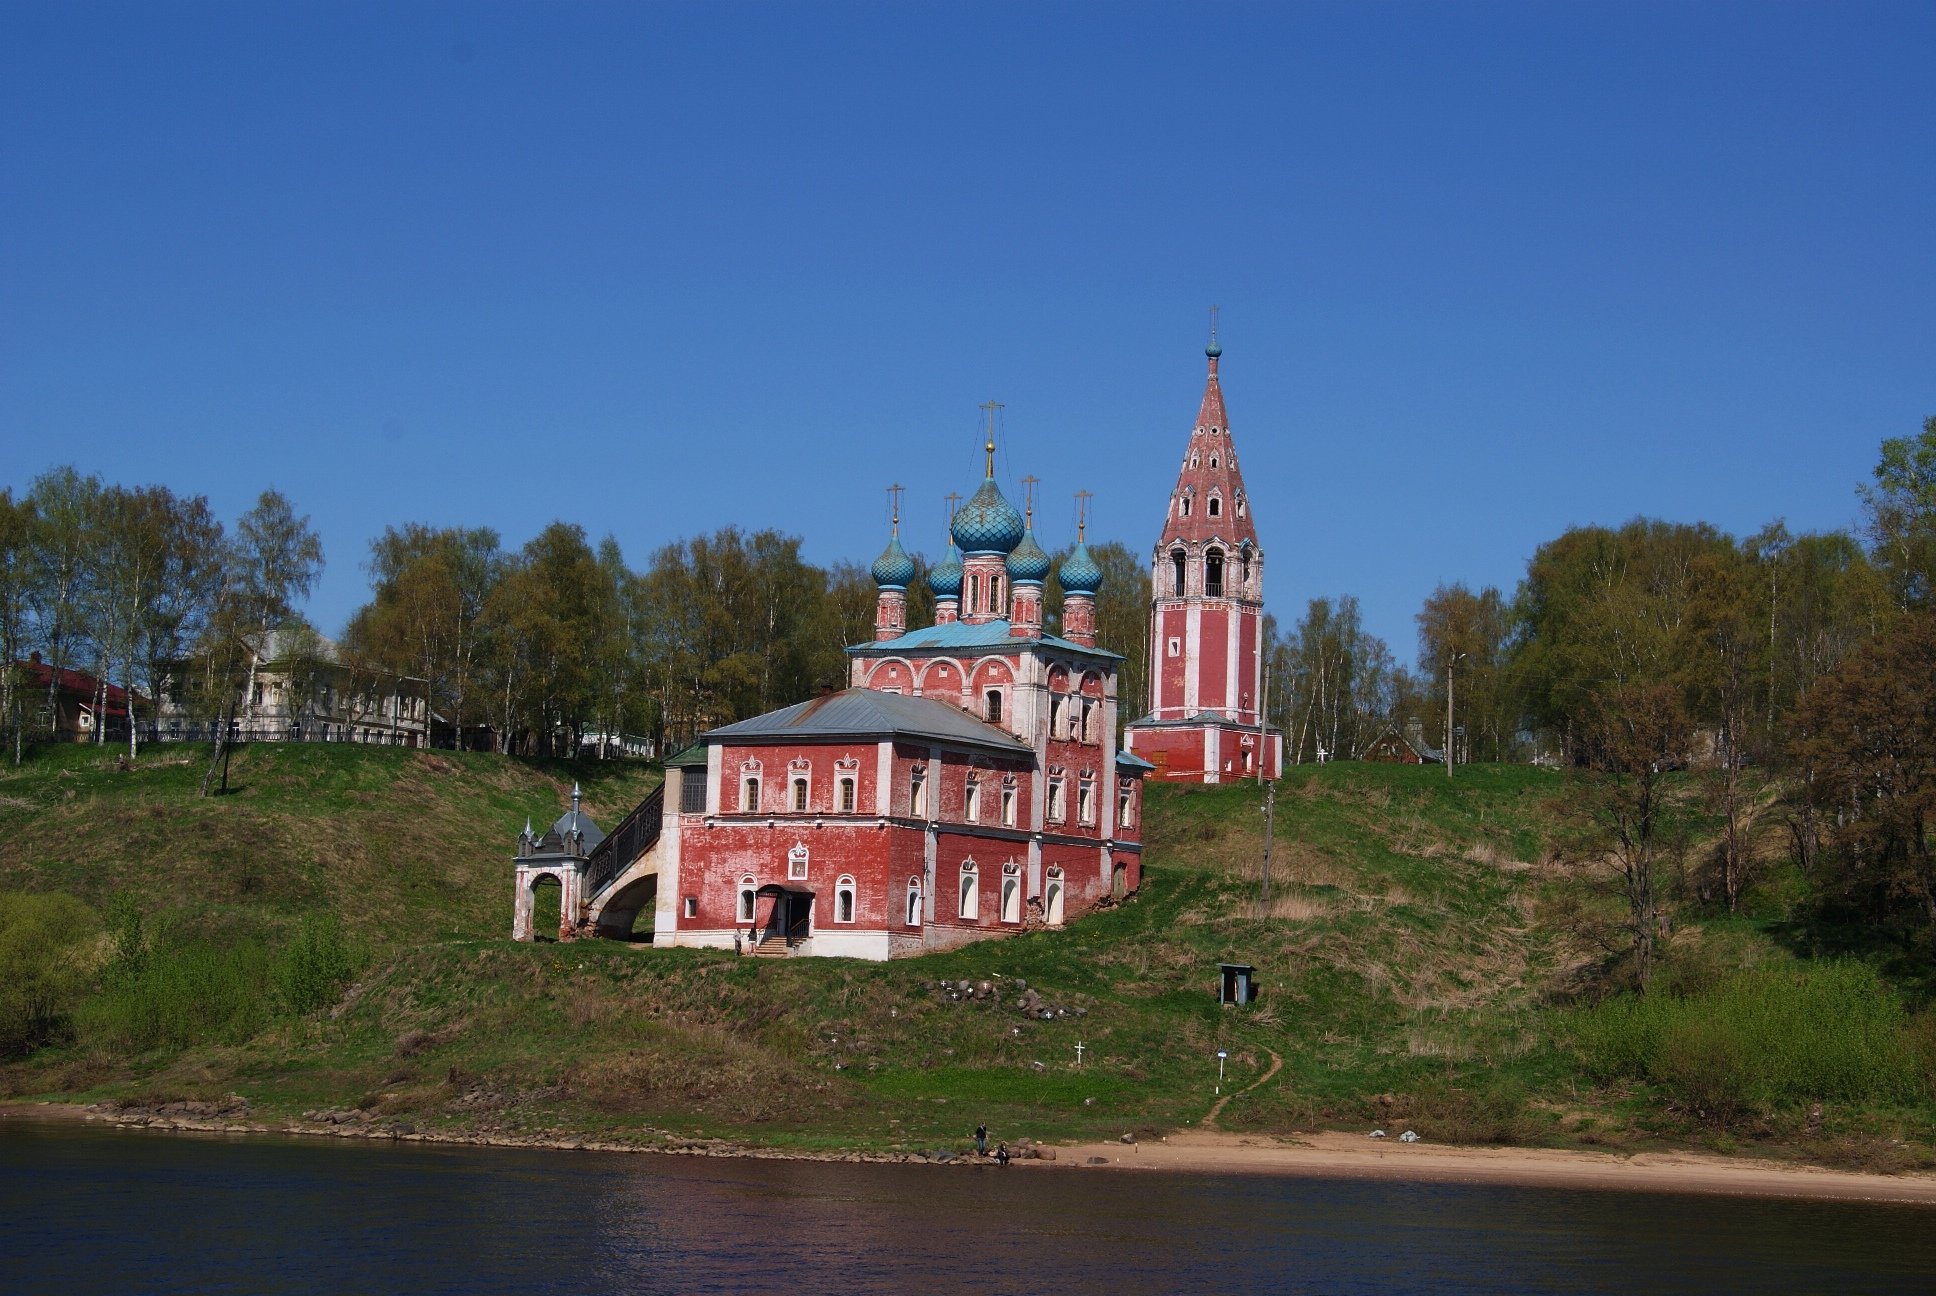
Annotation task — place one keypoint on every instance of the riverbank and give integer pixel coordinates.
(1356, 1156)
(1316, 1155)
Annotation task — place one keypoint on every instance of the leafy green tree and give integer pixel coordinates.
(1469, 634)
(16, 566)
(63, 507)
(1901, 508)
(275, 560)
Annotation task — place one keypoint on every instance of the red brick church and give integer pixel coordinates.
(967, 783)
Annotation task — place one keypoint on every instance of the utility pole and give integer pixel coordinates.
(1450, 662)
(1270, 790)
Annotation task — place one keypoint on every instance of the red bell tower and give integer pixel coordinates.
(1206, 616)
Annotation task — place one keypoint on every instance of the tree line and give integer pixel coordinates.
(144, 588)
(1636, 652)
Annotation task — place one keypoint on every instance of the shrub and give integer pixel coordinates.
(173, 994)
(1760, 1039)
(46, 944)
(313, 969)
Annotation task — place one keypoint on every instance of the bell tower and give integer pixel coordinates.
(1207, 614)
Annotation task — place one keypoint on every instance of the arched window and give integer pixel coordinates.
(1011, 893)
(1126, 804)
(1052, 897)
(1086, 800)
(1088, 731)
(1058, 716)
(918, 793)
(747, 896)
(1213, 461)
(914, 902)
(974, 591)
(799, 794)
(1186, 506)
(845, 785)
(1008, 803)
(1177, 572)
(971, 799)
(1216, 507)
(1243, 560)
(749, 794)
(844, 900)
(992, 706)
(970, 891)
(1055, 799)
(1213, 573)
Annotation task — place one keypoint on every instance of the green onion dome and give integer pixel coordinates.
(1029, 564)
(945, 580)
(987, 523)
(1079, 574)
(893, 569)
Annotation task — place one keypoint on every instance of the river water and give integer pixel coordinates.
(88, 1210)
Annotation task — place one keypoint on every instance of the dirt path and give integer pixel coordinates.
(1209, 1120)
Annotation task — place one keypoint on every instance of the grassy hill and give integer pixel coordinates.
(1420, 953)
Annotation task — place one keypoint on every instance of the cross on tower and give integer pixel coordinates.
(1082, 512)
(1028, 496)
(954, 501)
(894, 504)
(989, 446)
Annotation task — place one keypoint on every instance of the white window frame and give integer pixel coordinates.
(971, 799)
(918, 792)
(749, 794)
(1126, 805)
(1009, 800)
(845, 897)
(1011, 893)
(847, 789)
(800, 799)
(1085, 800)
(914, 914)
(1058, 716)
(969, 907)
(749, 900)
(692, 906)
(1056, 806)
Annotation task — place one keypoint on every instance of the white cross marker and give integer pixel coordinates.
(1079, 1047)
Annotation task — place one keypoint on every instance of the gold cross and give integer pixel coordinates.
(894, 500)
(1082, 512)
(1028, 508)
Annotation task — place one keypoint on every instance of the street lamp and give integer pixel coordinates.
(1450, 662)
(1221, 1055)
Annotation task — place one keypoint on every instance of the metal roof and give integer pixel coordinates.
(960, 634)
(868, 713)
(578, 819)
(1132, 760)
(687, 757)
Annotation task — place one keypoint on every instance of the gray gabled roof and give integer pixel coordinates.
(871, 714)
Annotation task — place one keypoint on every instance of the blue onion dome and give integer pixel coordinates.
(1079, 574)
(945, 580)
(988, 523)
(1213, 350)
(1029, 564)
(893, 569)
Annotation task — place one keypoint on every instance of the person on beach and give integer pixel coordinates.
(1001, 1155)
(981, 1139)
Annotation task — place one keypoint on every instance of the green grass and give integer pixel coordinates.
(1421, 942)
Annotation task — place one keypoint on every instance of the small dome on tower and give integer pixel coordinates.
(893, 569)
(1079, 574)
(988, 523)
(1213, 350)
(1029, 562)
(945, 580)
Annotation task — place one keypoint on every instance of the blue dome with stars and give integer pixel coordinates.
(893, 569)
(945, 580)
(988, 523)
(1079, 574)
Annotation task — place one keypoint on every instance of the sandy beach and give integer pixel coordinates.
(1321, 1155)
(1357, 1156)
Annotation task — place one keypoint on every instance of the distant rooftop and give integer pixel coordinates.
(870, 714)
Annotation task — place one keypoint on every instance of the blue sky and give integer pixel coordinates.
(1486, 270)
